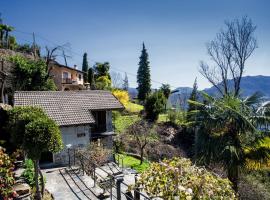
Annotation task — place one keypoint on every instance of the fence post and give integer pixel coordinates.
(69, 157)
(94, 171)
(137, 194)
(74, 156)
(111, 186)
(82, 165)
(119, 180)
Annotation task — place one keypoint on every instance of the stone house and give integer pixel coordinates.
(83, 116)
(66, 78)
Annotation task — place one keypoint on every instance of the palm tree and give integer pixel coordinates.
(2, 31)
(166, 90)
(7, 29)
(228, 133)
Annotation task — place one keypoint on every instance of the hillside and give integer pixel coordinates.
(250, 85)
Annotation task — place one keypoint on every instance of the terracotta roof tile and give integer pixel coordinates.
(69, 107)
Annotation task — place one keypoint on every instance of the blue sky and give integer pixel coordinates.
(174, 31)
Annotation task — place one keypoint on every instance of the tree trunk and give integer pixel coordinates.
(42, 182)
(38, 194)
(141, 160)
(233, 175)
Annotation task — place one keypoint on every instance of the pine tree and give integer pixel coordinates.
(143, 76)
(85, 67)
(125, 84)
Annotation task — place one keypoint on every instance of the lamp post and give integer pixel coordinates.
(68, 147)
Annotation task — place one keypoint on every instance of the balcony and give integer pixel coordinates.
(69, 81)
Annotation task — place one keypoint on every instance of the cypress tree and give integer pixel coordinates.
(125, 84)
(143, 76)
(193, 97)
(85, 67)
(91, 78)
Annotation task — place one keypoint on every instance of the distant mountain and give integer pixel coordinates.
(249, 85)
(179, 97)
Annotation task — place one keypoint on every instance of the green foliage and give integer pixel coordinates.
(193, 96)
(177, 117)
(102, 69)
(163, 117)
(132, 162)
(143, 76)
(91, 78)
(28, 174)
(179, 179)
(4, 35)
(30, 75)
(228, 134)
(6, 175)
(103, 83)
(24, 48)
(166, 89)
(85, 67)
(34, 131)
(154, 105)
(121, 123)
(133, 107)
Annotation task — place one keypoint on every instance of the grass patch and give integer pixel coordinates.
(163, 118)
(134, 163)
(123, 122)
(133, 107)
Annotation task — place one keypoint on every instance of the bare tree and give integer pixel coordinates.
(53, 53)
(142, 132)
(229, 52)
(117, 79)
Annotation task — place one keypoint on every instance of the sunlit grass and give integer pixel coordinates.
(132, 162)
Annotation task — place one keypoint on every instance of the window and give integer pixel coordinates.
(65, 74)
(80, 77)
(80, 135)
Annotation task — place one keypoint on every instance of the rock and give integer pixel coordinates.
(22, 188)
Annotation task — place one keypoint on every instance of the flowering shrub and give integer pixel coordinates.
(6, 175)
(122, 96)
(179, 179)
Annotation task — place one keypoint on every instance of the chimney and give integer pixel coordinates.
(75, 66)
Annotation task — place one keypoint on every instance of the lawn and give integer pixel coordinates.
(133, 107)
(163, 118)
(134, 163)
(123, 122)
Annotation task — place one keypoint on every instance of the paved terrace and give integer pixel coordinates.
(70, 184)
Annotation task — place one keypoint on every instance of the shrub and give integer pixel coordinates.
(28, 173)
(179, 179)
(6, 175)
(122, 96)
(154, 105)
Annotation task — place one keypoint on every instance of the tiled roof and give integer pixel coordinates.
(69, 107)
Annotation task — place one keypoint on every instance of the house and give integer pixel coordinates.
(66, 78)
(83, 116)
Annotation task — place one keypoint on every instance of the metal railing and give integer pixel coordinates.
(111, 182)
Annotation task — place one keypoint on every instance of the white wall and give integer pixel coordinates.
(77, 136)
